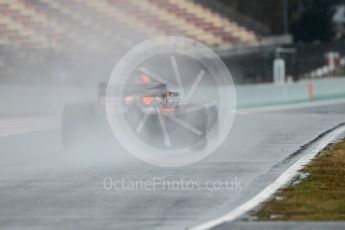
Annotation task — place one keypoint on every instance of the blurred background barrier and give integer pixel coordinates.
(55, 52)
(41, 99)
(50, 100)
(302, 91)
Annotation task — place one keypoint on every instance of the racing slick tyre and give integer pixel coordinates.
(201, 120)
(185, 127)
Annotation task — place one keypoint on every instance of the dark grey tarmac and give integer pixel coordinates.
(282, 225)
(43, 186)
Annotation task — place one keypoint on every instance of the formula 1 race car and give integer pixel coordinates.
(154, 113)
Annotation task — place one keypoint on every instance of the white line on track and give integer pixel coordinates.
(283, 179)
(14, 126)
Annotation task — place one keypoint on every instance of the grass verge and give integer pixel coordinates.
(318, 197)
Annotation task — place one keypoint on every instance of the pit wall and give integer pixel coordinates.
(41, 99)
(302, 91)
(50, 100)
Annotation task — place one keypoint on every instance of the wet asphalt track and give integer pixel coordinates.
(42, 186)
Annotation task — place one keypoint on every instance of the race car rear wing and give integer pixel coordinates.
(136, 90)
(131, 89)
